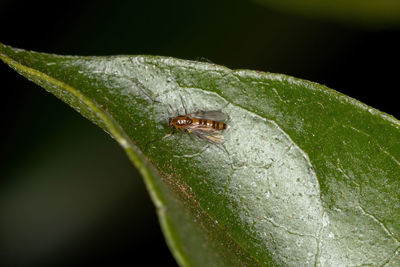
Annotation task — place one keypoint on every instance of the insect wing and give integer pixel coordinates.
(215, 115)
(209, 134)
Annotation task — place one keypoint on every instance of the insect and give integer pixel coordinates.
(208, 125)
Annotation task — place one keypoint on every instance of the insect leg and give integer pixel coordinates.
(183, 104)
(225, 106)
(158, 139)
(173, 112)
(142, 89)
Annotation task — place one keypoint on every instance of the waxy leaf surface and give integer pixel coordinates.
(307, 176)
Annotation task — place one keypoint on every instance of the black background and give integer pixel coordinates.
(58, 170)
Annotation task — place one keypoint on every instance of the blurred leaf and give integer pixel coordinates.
(307, 176)
(366, 13)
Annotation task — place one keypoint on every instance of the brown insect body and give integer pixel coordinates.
(207, 125)
(183, 122)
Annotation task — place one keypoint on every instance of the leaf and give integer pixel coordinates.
(371, 13)
(307, 176)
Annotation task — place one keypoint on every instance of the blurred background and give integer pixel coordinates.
(68, 194)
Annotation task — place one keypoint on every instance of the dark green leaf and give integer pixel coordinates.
(307, 176)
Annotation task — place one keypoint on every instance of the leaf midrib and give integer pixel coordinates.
(130, 149)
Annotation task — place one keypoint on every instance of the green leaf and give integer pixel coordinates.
(370, 13)
(307, 176)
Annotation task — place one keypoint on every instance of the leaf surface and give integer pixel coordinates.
(307, 176)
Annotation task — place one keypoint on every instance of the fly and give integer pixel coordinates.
(208, 125)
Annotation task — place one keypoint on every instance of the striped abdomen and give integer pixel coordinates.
(217, 125)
